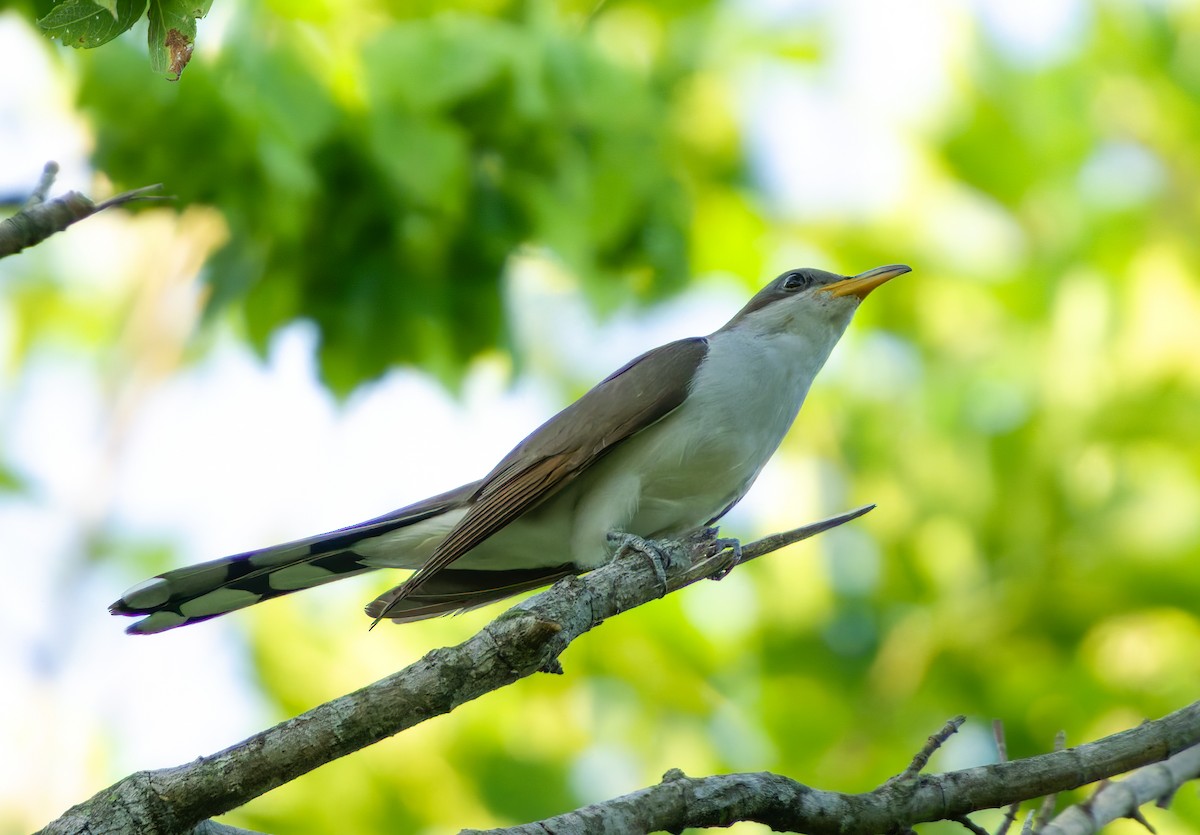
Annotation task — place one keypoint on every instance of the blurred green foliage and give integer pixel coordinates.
(377, 183)
(1023, 408)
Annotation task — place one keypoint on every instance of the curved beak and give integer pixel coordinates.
(863, 283)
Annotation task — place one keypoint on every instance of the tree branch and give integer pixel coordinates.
(38, 219)
(1112, 800)
(526, 639)
(529, 638)
(783, 804)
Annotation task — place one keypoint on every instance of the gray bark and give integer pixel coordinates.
(783, 804)
(529, 638)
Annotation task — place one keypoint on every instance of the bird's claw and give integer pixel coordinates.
(662, 557)
(722, 553)
(727, 554)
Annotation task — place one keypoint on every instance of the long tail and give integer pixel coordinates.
(204, 591)
(200, 592)
(208, 590)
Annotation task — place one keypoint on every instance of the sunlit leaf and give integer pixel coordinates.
(85, 24)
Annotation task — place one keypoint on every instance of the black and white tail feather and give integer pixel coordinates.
(210, 589)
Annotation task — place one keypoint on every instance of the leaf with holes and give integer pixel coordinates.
(85, 24)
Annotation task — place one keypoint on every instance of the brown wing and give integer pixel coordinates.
(452, 591)
(635, 396)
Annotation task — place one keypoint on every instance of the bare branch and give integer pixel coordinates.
(1123, 798)
(934, 742)
(529, 638)
(526, 639)
(40, 218)
(783, 804)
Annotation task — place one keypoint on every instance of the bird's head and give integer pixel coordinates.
(811, 300)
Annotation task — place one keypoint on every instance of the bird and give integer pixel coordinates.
(665, 445)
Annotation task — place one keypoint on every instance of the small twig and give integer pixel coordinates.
(40, 218)
(1046, 810)
(42, 189)
(1001, 742)
(1136, 815)
(1010, 814)
(934, 742)
(1164, 802)
(776, 541)
(716, 560)
(970, 825)
(124, 197)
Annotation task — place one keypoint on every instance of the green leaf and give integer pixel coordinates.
(427, 159)
(173, 33)
(85, 24)
(431, 65)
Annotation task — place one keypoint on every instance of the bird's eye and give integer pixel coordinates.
(796, 281)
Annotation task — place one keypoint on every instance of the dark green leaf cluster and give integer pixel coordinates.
(385, 211)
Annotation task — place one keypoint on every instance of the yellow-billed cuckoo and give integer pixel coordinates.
(666, 444)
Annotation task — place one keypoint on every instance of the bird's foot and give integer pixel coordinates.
(722, 551)
(663, 556)
(728, 555)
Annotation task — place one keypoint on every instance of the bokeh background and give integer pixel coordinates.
(406, 233)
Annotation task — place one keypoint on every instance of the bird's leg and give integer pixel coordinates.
(663, 556)
(729, 554)
(724, 552)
